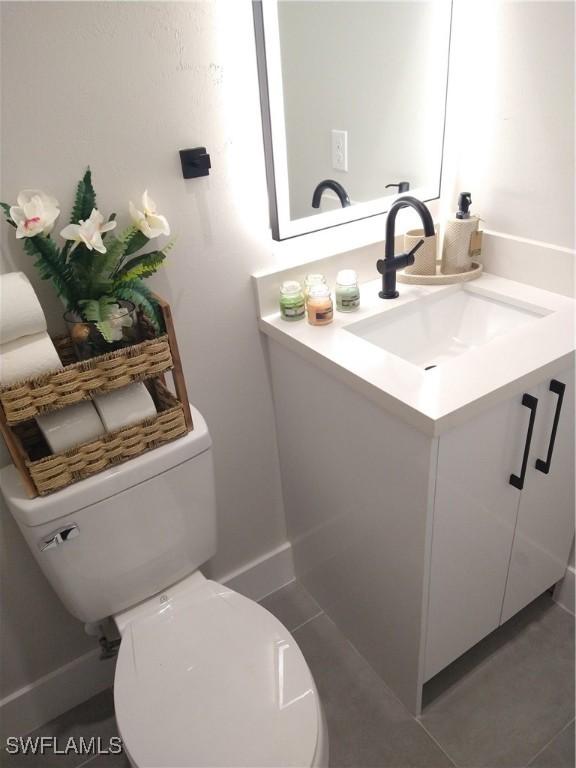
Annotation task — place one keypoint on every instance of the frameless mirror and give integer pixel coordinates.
(353, 97)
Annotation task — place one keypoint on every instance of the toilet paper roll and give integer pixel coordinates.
(71, 426)
(26, 357)
(125, 406)
(456, 255)
(20, 310)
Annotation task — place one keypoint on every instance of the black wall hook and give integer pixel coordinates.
(195, 162)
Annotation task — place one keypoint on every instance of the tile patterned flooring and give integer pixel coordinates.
(507, 703)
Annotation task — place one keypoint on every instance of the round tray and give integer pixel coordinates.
(439, 278)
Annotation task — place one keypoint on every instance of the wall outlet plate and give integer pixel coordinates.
(339, 150)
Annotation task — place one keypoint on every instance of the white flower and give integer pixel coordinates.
(35, 213)
(89, 232)
(149, 221)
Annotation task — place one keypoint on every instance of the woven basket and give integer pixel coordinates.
(78, 380)
(42, 472)
(52, 472)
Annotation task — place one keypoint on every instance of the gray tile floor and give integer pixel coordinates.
(507, 703)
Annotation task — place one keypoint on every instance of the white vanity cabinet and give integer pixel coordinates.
(500, 541)
(418, 546)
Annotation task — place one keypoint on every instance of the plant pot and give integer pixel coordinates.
(87, 339)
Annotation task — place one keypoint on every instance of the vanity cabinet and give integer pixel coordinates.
(418, 546)
(501, 536)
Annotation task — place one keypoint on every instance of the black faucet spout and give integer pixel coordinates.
(388, 266)
(336, 187)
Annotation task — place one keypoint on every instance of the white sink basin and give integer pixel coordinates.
(437, 328)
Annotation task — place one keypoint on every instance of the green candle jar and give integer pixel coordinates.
(292, 304)
(347, 291)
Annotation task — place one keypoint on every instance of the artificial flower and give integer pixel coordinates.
(35, 213)
(89, 232)
(148, 220)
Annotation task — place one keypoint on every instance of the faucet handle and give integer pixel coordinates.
(414, 249)
(398, 262)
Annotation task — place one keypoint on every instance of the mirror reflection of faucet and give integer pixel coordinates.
(336, 187)
(403, 186)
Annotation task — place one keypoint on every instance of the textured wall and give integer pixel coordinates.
(124, 86)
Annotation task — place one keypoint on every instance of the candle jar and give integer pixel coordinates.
(292, 304)
(311, 280)
(347, 291)
(319, 305)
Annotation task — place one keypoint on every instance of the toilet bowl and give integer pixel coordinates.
(204, 676)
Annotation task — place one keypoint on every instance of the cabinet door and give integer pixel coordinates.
(545, 524)
(474, 516)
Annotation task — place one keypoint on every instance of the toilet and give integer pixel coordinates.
(204, 676)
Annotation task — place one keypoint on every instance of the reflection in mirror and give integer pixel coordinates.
(353, 96)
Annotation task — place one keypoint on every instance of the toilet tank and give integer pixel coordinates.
(114, 539)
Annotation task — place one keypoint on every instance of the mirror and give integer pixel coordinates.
(353, 94)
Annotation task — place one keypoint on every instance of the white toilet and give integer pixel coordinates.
(204, 676)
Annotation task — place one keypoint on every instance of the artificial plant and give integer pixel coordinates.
(93, 270)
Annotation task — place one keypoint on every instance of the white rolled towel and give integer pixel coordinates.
(26, 357)
(75, 424)
(20, 310)
(125, 406)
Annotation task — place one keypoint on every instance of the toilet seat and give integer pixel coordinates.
(207, 677)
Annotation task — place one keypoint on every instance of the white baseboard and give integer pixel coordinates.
(266, 574)
(564, 592)
(42, 700)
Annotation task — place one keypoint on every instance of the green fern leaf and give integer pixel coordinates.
(136, 292)
(99, 311)
(141, 266)
(51, 265)
(85, 199)
(136, 241)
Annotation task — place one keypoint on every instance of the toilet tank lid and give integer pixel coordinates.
(93, 489)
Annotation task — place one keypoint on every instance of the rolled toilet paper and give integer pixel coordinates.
(26, 357)
(75, 424)
(125, 406)
(20, 310)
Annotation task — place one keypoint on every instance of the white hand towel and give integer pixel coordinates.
(20, 310)
(75, 424)
(125, 406)
(27, 357)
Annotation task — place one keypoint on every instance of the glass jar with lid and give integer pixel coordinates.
(319, 304)
(347, 291)
(292, 303)
(313, 279)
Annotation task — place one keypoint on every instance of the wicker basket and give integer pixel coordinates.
(43, 472)
(77, 381)
(52, 472)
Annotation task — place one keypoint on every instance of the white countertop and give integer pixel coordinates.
(436, 400)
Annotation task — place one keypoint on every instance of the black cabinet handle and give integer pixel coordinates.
(532, 403)
(558, 388)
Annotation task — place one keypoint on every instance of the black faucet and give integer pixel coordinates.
(390, 264)
(335, 187)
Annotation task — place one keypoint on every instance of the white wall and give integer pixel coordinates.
(510, 135)
(124, 86)
(376, 70)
